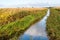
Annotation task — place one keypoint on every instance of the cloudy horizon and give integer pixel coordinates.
(28, 3)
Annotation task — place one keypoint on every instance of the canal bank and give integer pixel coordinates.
(37, 31)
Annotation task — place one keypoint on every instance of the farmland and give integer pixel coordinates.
(14, 21)
(53, 24)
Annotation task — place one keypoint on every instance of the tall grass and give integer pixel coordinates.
(24, 19)
(5, 19)
(53, 24)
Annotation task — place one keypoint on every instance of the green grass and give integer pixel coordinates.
(53, 24)
(13, 30)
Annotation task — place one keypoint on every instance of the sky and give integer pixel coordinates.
(20, 2)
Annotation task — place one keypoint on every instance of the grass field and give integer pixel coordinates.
(53, 24)
(14, 21)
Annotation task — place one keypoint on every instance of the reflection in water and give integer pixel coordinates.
(36, 31)
(29, 37)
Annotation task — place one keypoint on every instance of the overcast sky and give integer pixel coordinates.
(16, 2)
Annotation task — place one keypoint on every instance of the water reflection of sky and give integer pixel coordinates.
(37, 31)
(29, 37)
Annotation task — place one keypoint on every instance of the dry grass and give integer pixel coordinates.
(28, 9)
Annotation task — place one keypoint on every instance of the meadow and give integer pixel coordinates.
(53, 24)
(14, 21)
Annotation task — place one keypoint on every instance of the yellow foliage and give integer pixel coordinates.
(2, 16)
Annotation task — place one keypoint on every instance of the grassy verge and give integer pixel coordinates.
(53, 24)
(12, 30)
